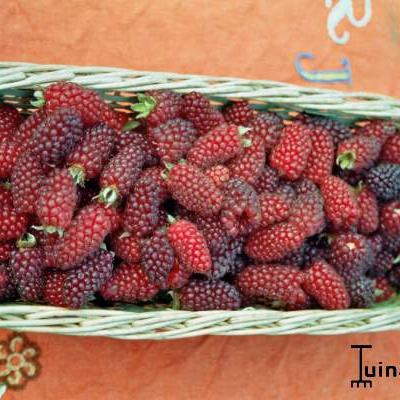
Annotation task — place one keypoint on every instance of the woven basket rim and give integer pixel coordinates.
(171, 324)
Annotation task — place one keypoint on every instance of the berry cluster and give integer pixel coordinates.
(222, 208)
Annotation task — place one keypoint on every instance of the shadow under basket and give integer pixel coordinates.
(18, 81)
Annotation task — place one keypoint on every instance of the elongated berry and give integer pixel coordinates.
(12, 223)
(268, 126)
(195, 191)
(84, 236)
(10, 119)
(89, 156)
(274, 208)
(128, 283)
(27, 179)
(28, 127)
(157, 257)
(57, 200)
(291, 153)
(390, 218)
(200, 295)
(141, 214)
(190, 246)
(217, 146)
(239, 113)
(274, 243)
(173, 139)
(390, 152)
(340, 204)
(369, 212)
(120, 174)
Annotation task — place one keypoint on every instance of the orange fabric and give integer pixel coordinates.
(255, 39)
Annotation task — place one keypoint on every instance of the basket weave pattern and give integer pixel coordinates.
(17, 84)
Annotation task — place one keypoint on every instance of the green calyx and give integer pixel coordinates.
(175, 304)
(26, 241)
(6, 185)
(130, 125)
(246, 143)
(144, 106)
(78, 174)
(346, 160)
(171, 220)
(108, 196)
(49, 229)
(397, 260)
(39, 99)
(243, 130)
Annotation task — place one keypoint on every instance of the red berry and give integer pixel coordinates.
(142, 207)
(268, 180)
(390, 218)
(305, 186)
(5, 251)
(12, 224)
(27, 273)
(10, 119)
(358, 153)
(128, 283)
(324, 284)
(157, 107)
(26, 130)
(217, 146)
(9, 153)
(91, 153)
(336, 129)
(274, 208)
(378, 129)
(350, 254)
(87, 103)
(27, 178)
(198, 109)
(127, 247)
(239, 113)
(53, 287)
(6, 199)
(249, 165)
(173, 139)
(341, 206)
(121, 173)
(155, 174)
(195, 191)
(308, 214)
(57, 200)
(190, 246)
(227, 260)
(277, 283)
(390, 152)
(241, 211)
(382, 265)
(84, 236)
(114, 119)
(113, 214)
(7, 287)
(320, 160)
(56, 136)
(200, 295)
(219, 174)
(178, 276)
(269, 127)
(383, 290)
(139, 139)
(213, 231)
(274, 243)
(290, 155)
(369, 212)
(157, 257)
(87, 278)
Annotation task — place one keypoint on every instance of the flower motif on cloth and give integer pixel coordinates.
(18, 361)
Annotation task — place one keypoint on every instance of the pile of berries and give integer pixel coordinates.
(218, 208)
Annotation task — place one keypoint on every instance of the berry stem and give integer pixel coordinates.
(78, 174)
(171, 220)
(175, 304)
(108, 196)
(26, 241)
(40, 101)
(130, 125)
(346, 160)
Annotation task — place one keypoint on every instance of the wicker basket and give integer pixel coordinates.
(17, 84)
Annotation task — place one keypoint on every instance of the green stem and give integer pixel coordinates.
(27, 240)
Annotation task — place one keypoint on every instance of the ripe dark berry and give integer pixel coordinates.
(268, 126)
(200, 295)
(384, 181)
